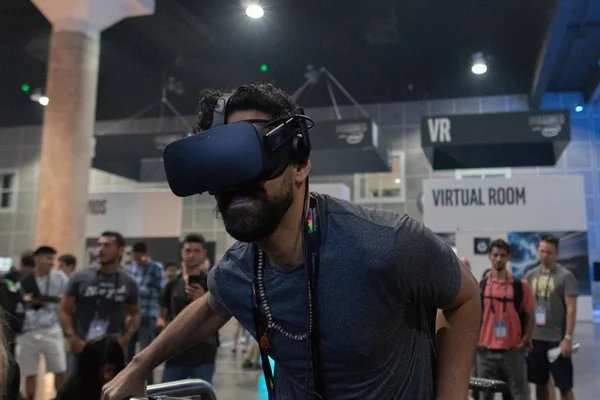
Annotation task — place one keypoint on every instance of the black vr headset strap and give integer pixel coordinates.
(219, 111)
(303, 148)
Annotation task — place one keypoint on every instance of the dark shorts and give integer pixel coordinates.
(539, 368)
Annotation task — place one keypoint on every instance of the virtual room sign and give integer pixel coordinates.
(505, 204)
(474, 197)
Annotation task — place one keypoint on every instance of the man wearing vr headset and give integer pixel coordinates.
(343, 298)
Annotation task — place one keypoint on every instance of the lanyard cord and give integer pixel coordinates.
(502, 299)
(312, 241)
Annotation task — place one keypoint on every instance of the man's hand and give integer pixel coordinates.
(194, 291)
(128, 383)
(566, 348)
(525, 344)
(77, 345)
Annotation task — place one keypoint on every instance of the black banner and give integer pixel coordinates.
(500, 128)
(519, 139)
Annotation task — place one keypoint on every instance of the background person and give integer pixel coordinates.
(171, 270)
(507, 325)
(42, 335)
(197, 361)
(100, 301)
(555, 289)
(67, 264)
(150, 278)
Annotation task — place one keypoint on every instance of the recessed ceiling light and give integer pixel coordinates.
(479, 65)
(255, 11)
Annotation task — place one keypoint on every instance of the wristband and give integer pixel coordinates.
(568, 337)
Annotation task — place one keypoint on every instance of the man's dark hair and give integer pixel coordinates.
(500, 244)
(68, 259)
(257, 96)
(27, 259)
(171, 264)
(550, 239)
(44, 251)
(140, 247)
(115, 235)
(194, 238)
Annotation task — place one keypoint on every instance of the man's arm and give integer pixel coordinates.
(571, 293)
(457, 339)
(65, 316)
(132, 323)
(430, 275)
(196, 322)
(566, 346)
(200, 319)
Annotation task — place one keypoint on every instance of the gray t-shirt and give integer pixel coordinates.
(550, 291)
(101, 295)
(52, 285)
(381, 278)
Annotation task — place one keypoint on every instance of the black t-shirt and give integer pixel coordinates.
(174, 299)
(99, 295)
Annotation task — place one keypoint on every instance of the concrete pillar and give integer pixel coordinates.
(69, 118)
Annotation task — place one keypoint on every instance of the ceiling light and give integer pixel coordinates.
(578, 108)
(479, 65)
(397, 181)
(255, 11)
(37, 97)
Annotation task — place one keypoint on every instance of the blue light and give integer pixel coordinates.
(578, 108)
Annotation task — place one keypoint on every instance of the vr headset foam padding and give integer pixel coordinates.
(222, 157)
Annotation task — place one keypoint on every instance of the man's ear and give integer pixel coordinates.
(301, 171)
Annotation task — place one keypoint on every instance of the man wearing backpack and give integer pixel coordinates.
(507, 324)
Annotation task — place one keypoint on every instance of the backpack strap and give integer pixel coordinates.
(517, 294)
(482, 286)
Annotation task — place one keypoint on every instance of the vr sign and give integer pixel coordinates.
(439, 130)
(468, 197)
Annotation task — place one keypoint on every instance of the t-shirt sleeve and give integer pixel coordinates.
(428, 269)
(73, 285)
(133, 292)
(528, 303)
(571, 285)
(215, 301)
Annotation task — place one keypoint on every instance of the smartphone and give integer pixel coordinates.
(198, 280)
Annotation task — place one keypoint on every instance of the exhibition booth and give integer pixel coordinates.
(468, 214)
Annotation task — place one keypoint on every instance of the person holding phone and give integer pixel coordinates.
(42, 334)
(191, 284)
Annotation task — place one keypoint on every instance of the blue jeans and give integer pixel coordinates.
(181, 372)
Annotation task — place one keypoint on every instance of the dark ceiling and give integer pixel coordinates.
(380, 50)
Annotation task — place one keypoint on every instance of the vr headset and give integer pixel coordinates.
(229, 155)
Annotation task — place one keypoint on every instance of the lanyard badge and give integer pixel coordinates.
(98, 327)
(540, 316)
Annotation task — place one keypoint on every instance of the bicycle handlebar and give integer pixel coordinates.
(487, 385)
(198, 387)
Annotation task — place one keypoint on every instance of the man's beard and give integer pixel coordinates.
(257, 215)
